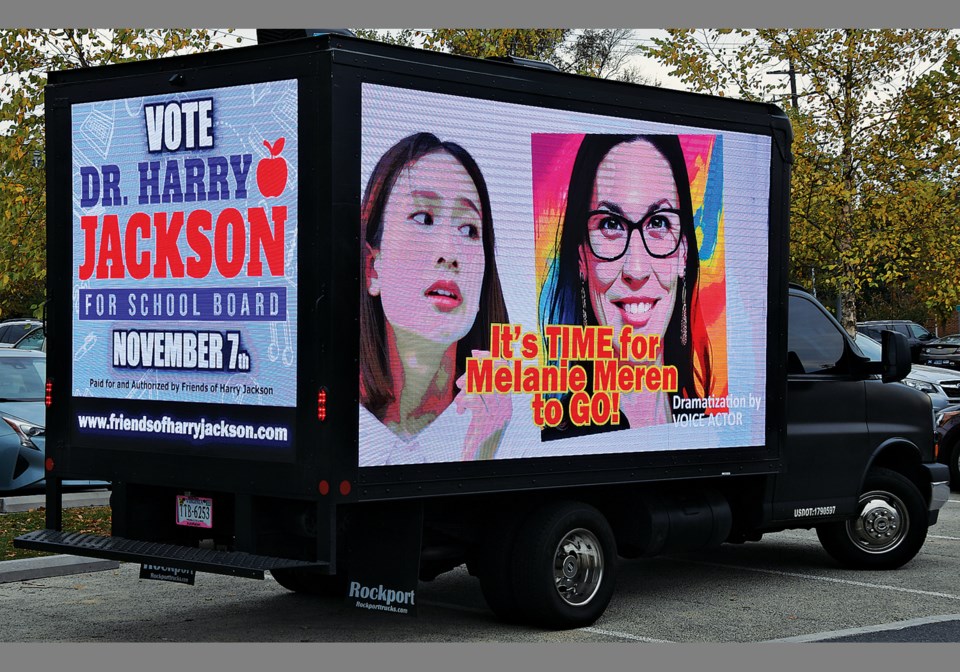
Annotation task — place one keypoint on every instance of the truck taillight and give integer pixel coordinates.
(322, 404)
(48, 393)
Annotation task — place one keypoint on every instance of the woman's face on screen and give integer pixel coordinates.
(429, 268)
(635, 213)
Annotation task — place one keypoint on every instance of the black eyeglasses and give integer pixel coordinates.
(609, 233)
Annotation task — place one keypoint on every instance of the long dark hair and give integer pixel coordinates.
(562, 300)
(376, 382)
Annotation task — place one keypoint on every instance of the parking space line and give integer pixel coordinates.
(626, 635)
(899, 625)
(940, 536)
(828, 579)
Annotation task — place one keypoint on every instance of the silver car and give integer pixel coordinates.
(942, 385)
(22, 411)
(23, 376)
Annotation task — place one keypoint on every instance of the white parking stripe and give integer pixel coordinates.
(828, 579)
(820, 636)
(940, 536)
(626, 635)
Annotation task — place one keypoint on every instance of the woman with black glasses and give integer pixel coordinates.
(626, 256)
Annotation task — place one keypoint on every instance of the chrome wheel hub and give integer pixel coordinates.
(578, 567)
(882, 523)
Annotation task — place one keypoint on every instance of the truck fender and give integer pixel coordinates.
(900, 455)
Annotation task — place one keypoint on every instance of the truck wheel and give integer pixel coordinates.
(310, 582)
(564, 565)
(889, 529)
(494, 568)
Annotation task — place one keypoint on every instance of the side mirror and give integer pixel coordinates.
(896, 357)
(925, 337)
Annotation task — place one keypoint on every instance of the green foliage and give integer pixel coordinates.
(876, 151)
(540, 43)
(26, 55)
(404, 38)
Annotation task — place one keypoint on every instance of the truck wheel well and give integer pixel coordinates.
(903, 458)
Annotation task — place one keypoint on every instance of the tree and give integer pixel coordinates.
(596, 53)
(876, 145)
(404, 38)
(26, 55)
(541, 44)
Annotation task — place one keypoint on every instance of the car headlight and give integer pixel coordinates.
(24, 429)
(923, 386)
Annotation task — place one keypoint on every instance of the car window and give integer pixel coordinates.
(918, 331)
(32, 341)
(14, 332)
(901, 328)
(22, 378)
(814, 342)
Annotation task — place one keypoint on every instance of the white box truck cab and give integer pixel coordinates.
(357, 314)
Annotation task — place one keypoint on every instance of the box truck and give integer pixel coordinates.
(359, 314)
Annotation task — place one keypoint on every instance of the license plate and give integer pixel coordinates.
(194, 511)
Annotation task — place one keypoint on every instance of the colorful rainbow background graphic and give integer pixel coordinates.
(552, 162)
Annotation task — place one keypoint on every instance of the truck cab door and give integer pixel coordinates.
(827, 436)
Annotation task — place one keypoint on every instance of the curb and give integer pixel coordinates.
(51, 565)
(70, 499)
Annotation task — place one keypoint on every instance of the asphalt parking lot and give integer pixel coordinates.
(784, 589)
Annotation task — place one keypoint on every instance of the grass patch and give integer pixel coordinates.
(87, 519)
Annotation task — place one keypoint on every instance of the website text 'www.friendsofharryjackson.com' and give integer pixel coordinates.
(197, 429)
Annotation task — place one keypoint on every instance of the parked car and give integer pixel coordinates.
(22, 430)
(942, 385)
(35, 339)
(13, 330)
(916, 334)
(943, 351)
(948, 439)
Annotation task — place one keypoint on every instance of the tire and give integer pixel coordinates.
(310, 582)
(564, 566)
(889, 528)
(494, 568)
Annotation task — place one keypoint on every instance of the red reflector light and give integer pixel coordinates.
(324, 488)
(322, 404)
(48, 393)
(48, 464)
(344, 488)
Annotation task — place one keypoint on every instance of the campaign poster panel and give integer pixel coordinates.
(184, 250)
(541, 282)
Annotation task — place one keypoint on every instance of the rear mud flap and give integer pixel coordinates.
(383, 551)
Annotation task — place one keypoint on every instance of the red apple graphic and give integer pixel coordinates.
(272, 172)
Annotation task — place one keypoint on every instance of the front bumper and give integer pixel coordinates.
(939, 489)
